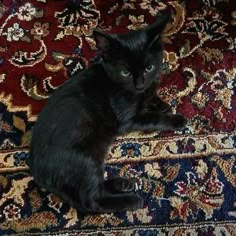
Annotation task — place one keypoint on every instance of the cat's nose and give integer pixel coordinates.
(139, 83)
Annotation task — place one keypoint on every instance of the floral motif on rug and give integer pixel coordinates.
(187, 179)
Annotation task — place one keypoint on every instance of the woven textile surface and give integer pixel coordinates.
(186, 178)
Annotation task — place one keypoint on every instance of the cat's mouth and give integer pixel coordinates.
(140, 90)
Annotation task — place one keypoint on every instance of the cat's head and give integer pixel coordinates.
(133, 59)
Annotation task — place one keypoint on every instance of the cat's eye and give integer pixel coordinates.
(149, 68)
(125, 73)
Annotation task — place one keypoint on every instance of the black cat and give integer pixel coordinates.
(82, 118)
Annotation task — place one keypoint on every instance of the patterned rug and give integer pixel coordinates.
(186, 178)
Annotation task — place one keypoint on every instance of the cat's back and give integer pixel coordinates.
(80, 103)
(79, 92)
(86, 85)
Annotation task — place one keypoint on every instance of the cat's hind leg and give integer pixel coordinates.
(119, 185)
(102, 201)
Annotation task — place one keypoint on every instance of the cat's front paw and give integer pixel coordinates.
(178, 122)
(164, 107)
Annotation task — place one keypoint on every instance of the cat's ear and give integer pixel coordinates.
(103, 40)
(155, 30)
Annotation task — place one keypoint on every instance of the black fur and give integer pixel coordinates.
(81, 119)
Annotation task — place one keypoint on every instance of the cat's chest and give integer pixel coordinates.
(124, 108)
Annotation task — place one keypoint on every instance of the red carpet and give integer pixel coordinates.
(44, 42)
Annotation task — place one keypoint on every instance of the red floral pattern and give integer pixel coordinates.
(187, 178)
